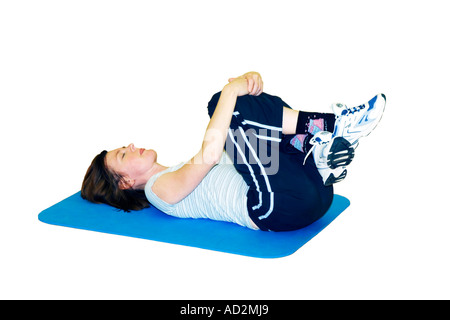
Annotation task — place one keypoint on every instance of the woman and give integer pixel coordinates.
(270, 183)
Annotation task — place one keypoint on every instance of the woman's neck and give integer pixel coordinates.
(156, 168)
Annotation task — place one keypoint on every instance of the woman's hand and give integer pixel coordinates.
(250, 83)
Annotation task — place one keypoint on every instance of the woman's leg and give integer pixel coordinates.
(290, 119)
(283, 194)
(304, 125)
(301, 122)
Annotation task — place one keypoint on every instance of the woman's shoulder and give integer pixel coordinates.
(153, 178)
(153, 197)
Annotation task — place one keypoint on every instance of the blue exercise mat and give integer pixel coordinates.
(152, 224)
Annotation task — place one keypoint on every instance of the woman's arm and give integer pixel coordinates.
(217, 130)
(174, 186)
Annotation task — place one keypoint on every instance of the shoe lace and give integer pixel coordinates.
(315, 143)
(309, 152)
(354, 109)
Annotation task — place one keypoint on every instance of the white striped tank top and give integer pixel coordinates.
(221, 195)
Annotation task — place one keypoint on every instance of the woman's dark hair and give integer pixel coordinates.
(101, 185)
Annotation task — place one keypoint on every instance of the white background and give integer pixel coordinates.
(77, 77)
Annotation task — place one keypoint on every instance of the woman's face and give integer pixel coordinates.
(130, 162)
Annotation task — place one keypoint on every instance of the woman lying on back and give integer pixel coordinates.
(265, 178)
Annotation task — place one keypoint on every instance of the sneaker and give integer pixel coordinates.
(333, 176)
(357, 122)
(332, 152)
(331, 156)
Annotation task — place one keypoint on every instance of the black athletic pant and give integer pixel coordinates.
(284, 194)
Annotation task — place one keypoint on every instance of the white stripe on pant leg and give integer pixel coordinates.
(265, 126)
(263, 172)
(257, 124)
(270, 209)
(268, 138)
(250, 169)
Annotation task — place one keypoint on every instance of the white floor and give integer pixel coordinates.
(91, 75)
